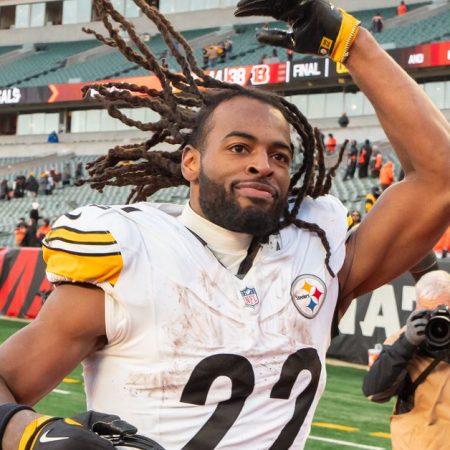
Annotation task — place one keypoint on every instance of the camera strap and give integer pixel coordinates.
(405, 400)
(423, 375)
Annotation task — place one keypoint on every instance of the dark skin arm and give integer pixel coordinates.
(408, 219)
(69, 327)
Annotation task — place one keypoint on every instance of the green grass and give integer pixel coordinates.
(342, 405)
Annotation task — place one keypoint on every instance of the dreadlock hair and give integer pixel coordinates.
(184, 103)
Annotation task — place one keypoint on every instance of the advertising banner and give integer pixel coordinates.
(22, 282)
(373, 317)
(284, 74)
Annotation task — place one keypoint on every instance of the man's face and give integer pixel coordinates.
(243, 175)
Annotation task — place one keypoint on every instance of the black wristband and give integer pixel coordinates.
(6, 412)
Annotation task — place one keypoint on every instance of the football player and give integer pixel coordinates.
(206, 326)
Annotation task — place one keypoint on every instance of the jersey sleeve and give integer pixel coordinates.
(81, 248)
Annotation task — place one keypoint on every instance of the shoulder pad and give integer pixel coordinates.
(80, 248)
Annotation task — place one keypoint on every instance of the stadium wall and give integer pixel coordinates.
(374, 317)
(368, 321)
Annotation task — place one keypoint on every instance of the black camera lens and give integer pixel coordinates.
(437, 331)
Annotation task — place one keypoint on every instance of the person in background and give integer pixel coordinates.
(79, 171)
(228, 47)
(66, 176)
(34, 211)
(343, 120)
(376, 162)
(19, 187)
(377, 23)
(371, 198)
(402, 9)
(5, 190)
(331, 143)
(50, 183)
(53, 138)
(362, 162)
(442, 247)
(20, 232)
(30, 239)
(353, 219)
(352, 156)
(415, 370)
(43, 229)
(31, 185)
(386, 175)
(56, 177)
(368, 147)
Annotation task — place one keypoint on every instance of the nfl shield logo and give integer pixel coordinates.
(250, 297)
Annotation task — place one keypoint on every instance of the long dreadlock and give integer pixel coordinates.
(184, 102)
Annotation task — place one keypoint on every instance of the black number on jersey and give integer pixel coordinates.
(240, 372)
(304, 359)
(242, 377)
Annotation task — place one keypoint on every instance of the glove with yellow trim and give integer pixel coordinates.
(55, 433)
(318, 27)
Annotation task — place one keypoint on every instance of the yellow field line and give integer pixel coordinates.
(334, 426)
(71, 380)
(380, 434)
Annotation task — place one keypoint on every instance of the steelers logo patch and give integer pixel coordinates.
(308, 293)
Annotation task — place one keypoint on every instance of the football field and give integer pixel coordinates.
(344, 419)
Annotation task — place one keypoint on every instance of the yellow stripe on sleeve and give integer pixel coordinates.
(71, 235)
(83, 267)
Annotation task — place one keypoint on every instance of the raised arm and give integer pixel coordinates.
(411, 215)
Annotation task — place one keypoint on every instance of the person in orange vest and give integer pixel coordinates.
(43, 229)
(443, 245)
(331, 143)
(386, 175)
(20, 232)
(402, 9)
(375, 164)
(363, 161)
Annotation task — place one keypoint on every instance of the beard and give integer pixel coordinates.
(223, 209)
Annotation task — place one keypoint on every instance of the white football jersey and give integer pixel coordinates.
(197, 358)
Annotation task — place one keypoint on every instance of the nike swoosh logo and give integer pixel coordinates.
(72, 216)
(44, 438)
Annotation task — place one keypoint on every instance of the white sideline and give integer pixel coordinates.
(60, 391)
(348, 444)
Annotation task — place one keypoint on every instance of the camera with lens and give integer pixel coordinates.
(437, 331)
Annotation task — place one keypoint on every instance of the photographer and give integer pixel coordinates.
(414, 366)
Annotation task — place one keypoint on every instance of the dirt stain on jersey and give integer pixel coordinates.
(167, 384)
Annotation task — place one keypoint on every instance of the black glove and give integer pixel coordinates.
(318, 27)
(116, 430)
(415, 326)
(60, 434)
